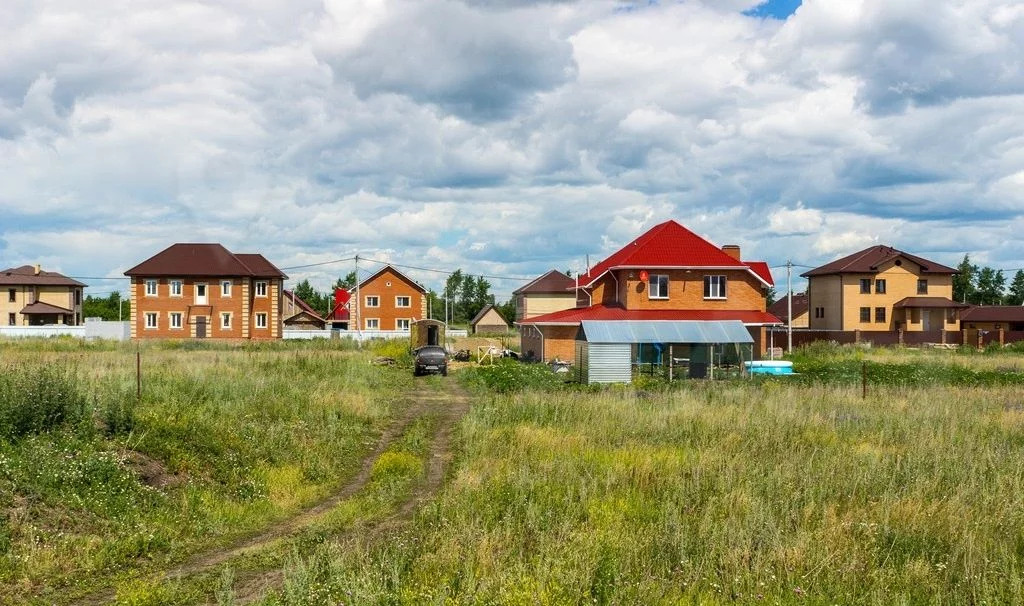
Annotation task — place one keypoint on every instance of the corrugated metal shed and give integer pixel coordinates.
(664, 331)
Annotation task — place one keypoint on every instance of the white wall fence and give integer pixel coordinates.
(92, 329)
(366, 335)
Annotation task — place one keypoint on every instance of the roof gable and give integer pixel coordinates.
(483, 312)
(868, 261)
(667, 245)
(398, 274)
(553, 282)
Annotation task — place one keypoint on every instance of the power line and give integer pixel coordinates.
(446, 271)
(318, 264)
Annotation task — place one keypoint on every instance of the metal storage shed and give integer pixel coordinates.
(604, 349)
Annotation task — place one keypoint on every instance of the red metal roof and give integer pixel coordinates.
(612, 312)
(669, 244)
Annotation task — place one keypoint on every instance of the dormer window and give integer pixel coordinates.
(658, 286)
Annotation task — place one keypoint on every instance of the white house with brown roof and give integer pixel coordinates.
(33, 297)
(202, 291)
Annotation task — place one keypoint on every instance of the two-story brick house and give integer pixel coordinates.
(545, 294)
(668, 273)
(30, 296)
(387, 300)
(202, 291)
(882, 288)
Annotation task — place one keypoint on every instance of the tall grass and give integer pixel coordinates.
(712, 493)
(225, 440)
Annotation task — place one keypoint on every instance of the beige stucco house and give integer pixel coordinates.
(882, 288)
(33, 297)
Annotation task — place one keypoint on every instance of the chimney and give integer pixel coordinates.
(733, 250)
(38, 269)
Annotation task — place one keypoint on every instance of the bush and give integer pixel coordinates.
(36, 399)
(509, 375)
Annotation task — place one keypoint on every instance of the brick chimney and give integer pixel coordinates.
(733, 250)
(38, 269)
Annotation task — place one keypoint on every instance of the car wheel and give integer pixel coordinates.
(444, 371)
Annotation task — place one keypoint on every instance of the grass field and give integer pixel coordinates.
(766, 491)
(738, 492)
(224, 441)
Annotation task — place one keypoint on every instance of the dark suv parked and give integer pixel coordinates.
(430, 358)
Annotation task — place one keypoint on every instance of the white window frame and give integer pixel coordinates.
(715, 287)
(155, 315)
(223, 315)
(225, 288)
(176, 288)
(407, 298)
(656, 280)
(260, 288)
(374, 321)
(261, 320)
(205, 300)
(376, 301)
(171, 317)
(399, 321)
(154, 284)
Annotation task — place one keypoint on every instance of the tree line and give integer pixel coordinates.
(986, 286)
(464, 294)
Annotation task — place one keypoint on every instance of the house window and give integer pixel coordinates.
(922, 287)
(865, 314)
(865, 286)
(261, 320)
(261, 288)
(402, 324)
(150, 319)
(658, 287)
(225, 319)
(880, 287)
(78, 296)
(176, 288)
(175, 318)
(372, 324)
(879, 314)
(201, 294)
(12, 295)
(403, 301)
(714, 287)
(819, 312)
(11, 319)
(150, 288)
(950, 316)
(225, 288)
(372, 301)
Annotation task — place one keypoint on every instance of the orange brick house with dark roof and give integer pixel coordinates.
(668, 273)
(197, 291)
(388, 300)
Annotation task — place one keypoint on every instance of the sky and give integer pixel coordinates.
(507, 137)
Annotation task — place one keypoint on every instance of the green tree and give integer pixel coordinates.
(1016, 294)
(990, 287)
(507, 310)
(109, 308)
(964, 280)
(348, 282)
(452, 292)
(771, 295)
(321, 302)
(481, 295)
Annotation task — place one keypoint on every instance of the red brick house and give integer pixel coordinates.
(668, 273)
(201, 291)
(387, 300)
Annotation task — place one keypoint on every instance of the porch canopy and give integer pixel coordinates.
(44, 309)
(709, 332)
(928, 303)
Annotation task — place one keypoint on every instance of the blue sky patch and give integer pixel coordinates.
(775, 9)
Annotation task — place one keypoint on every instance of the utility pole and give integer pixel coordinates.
(789, 306)
(358, 314)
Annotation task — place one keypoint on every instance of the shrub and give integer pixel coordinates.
(509, 375)
(35, 399)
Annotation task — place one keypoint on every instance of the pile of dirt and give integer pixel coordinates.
(151, 471)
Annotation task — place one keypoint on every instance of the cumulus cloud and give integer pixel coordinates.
(506, 137)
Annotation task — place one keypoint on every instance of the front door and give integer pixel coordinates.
(926, 319)
(200, 294)
(200, 327)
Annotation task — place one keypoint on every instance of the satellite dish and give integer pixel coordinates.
(644, 275)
